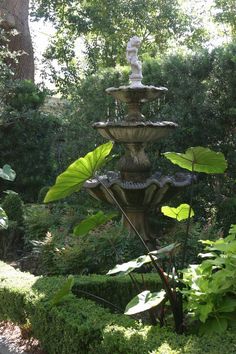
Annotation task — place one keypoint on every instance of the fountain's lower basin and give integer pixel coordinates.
(134, 132)
(137, 199)
(137, 196)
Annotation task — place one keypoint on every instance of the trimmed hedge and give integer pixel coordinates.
(79, 326)
(119, 290)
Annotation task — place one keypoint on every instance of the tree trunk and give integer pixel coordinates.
(14, 15)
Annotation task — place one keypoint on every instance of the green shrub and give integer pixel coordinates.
(11, 239)
(32, 133)
(62, 253)
(154, 340)
(226, 214)
(13, 206)
(24, 95)
(210, 286)
(38, 220)
(117, 290)
(80, 326)
(97, 252)
(177, 232)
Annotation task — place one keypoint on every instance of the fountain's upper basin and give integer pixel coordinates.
(134, 132)
(140, 94)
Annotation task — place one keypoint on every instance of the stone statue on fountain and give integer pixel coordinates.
(136, 65)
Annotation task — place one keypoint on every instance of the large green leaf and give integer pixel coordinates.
(144, 301)
(128, 267)
(7, 173)
(199, 159)
(214, 326)
(180, 213)
(63, 291)
(73, 179)
(167, 250)
(3, 219)
(92, 222)
(228, 305)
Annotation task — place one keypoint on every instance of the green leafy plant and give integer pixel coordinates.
(210, 286)
(145, 301)
(73, 179)
(13, 206)
(195, 159)
(92, 222)
(3, 219)
(180, 213)
(198, 159)
(8, 174)
(24, 94)
(65, 290)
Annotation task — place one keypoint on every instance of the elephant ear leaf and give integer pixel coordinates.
(7, 173)
(144, 301)
(128, 267)
(92, 222)
(74, 177)
(199, 159)
(63, 291)
(182, 212)
(3, 219)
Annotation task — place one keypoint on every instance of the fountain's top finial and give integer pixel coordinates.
(136, 65)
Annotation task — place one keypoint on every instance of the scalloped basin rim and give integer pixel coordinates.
(140, 94)
(125, 124)
(178, 180)
(137, 89)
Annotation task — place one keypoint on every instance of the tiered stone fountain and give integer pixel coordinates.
(134, 187)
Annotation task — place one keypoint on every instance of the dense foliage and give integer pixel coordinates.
(32, 133)
(210, 285)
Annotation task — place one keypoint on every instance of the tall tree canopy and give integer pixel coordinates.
(106, 26)
(226, 13)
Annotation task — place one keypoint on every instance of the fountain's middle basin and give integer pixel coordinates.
(134, 132)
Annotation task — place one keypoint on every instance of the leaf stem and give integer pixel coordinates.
(176, 309)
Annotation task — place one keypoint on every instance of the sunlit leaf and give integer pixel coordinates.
(9, 191)
(73, 179)
(232, 230)
(3, 219)
(199, 159)
(144, 301)
(167, 250)
(128, 267)
(206, 255)
(7, 173)
(204, 310)
(180, 213)
(63, 291)
(92, 222)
